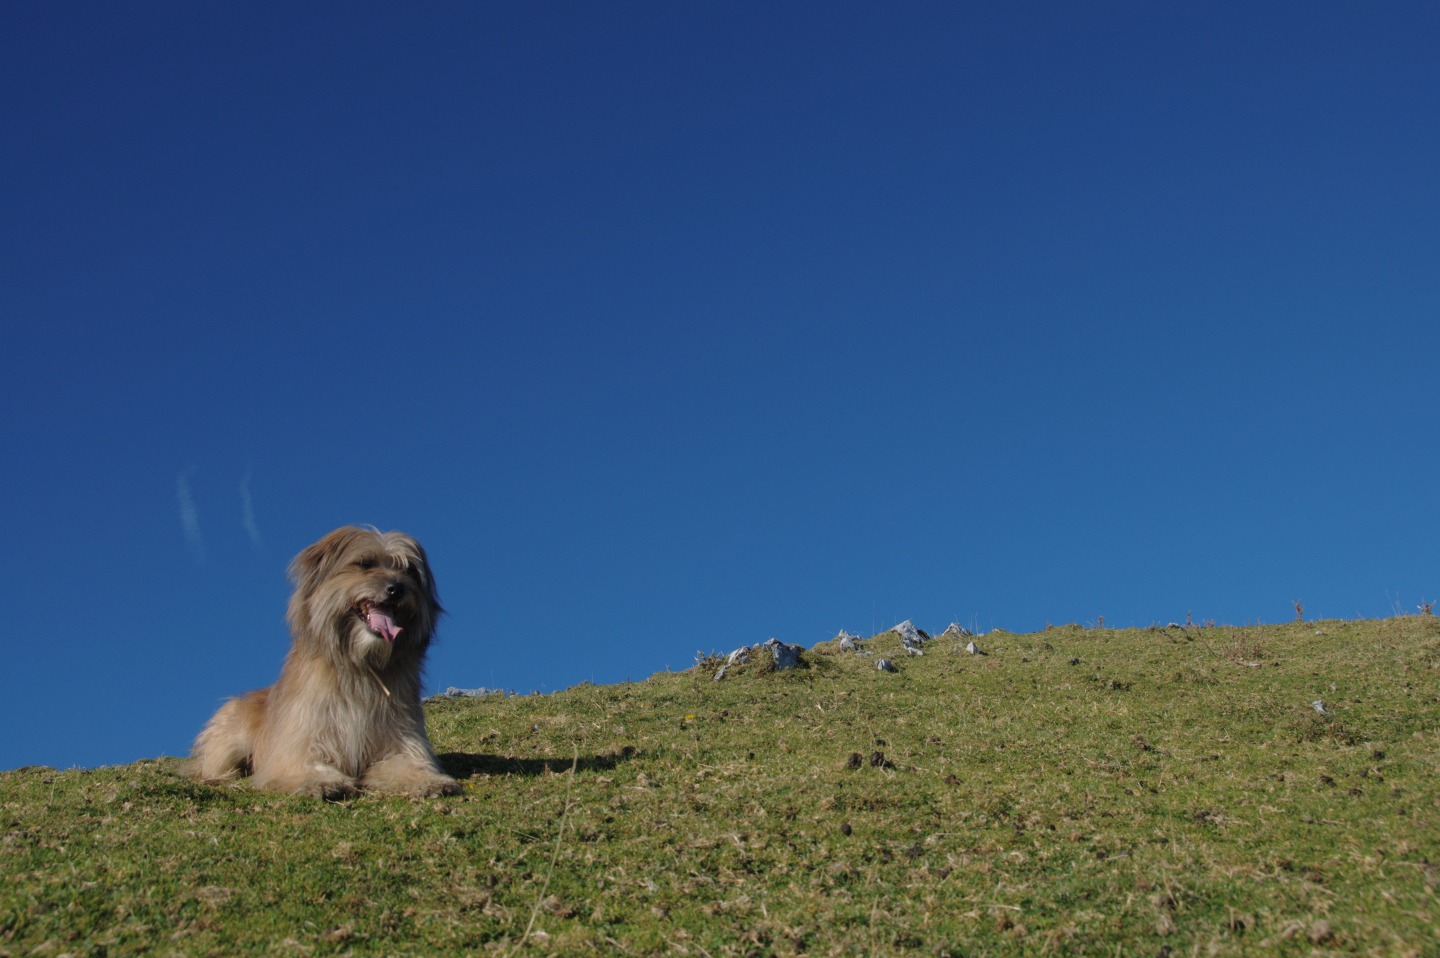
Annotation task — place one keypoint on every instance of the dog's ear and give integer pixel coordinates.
(316, 562)
(427, 577)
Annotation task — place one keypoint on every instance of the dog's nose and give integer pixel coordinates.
(394, 589)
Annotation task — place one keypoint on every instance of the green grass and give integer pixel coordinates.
(1073, 791)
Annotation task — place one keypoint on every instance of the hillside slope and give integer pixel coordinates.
(1082, 791)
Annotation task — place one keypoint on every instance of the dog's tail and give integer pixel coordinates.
(225, 747)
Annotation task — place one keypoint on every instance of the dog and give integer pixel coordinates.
(344, 716)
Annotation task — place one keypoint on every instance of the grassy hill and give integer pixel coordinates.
(1073, 791)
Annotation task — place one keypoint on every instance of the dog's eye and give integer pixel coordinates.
(366, 563)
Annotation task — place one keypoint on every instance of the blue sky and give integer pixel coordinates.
(675, 327)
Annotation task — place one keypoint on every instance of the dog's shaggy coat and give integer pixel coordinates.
(345, 714)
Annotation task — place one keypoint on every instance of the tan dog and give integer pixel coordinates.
(345, 714)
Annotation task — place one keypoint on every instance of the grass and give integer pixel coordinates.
(1073, 791)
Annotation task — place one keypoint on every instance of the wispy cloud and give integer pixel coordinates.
(189, 516)
(247, 511)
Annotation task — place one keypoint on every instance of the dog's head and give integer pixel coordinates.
(365, 594)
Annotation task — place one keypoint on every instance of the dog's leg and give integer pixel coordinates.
(288, 760)
(223, 749)
(317, 781)
(403, 775)
(409, 770)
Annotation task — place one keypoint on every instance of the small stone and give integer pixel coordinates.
(1319, 706)
(957, 630)
(1320, 933)
(910, 637)
(455, 693)
(909, 634)
(785, 656)
(845, 828)
(884, 666)
(973, 649)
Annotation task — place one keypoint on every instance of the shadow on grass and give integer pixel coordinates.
(465, 764)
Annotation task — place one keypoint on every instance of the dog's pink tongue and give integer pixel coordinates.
(382, 624)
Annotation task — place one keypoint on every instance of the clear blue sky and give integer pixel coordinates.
(675, 327)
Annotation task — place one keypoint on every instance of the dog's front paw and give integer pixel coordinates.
(334, 791)
(442, 785)
(429, 786)
(332, 788)
(408, 775)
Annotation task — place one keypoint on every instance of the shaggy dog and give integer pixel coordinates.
(345, 714)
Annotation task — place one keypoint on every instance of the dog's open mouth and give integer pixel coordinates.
(380, 619)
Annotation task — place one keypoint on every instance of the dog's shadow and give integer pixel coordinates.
(465, 764)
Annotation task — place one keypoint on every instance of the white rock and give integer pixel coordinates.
(909, 635)
(454, 693)
(786, 656)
